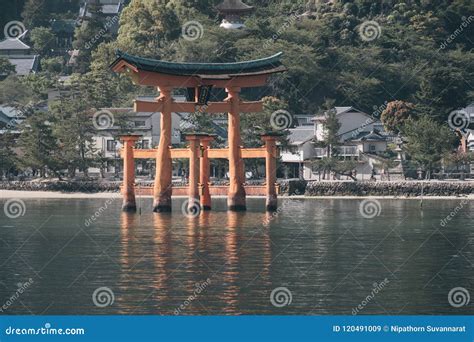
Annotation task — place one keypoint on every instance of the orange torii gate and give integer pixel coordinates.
(198, 79)
(199, 154)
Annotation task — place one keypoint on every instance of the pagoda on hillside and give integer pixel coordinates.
(232, 11)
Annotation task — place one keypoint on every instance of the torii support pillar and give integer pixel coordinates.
(205, 172)
(162, 190)
(128, 188)
(236, 195)
(194, 148)
(270, 169)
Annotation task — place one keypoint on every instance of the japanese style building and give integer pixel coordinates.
(232, 11)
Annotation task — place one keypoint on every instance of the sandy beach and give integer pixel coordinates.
(53, 194)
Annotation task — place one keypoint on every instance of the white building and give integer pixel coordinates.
(362, 138)
(147, 125)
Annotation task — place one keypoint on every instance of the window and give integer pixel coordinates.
(111, 145)
(372, 148)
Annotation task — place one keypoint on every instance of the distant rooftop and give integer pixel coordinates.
(369, 136)
(300, 135)
(25, 65)
(13, 44)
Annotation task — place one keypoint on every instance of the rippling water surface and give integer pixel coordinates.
(321, 254)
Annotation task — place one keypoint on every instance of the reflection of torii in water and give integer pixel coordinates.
(199, 79)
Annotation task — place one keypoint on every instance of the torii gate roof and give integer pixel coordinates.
(268, 65)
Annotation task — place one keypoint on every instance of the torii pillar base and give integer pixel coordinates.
(270, 169)
(128, 188)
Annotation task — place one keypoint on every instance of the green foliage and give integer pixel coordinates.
(53, 65)
(35, 14)
(43, 40)
(40, 150)
(6, 68)
(427, 142)
(331, 128)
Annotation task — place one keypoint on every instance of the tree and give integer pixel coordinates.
(35, 14)
(53, 65)
(43, 40)
(331, 129)
(39, 147)
(395, 115)
(146, 27)
(427, 142)
(7, 155)
(74, 131)
(6, 68)
(90, 34)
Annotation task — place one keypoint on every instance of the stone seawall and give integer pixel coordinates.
(287, 187)
(399, 188)
(61, 186)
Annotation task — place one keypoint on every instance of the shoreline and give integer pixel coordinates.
(7, 194)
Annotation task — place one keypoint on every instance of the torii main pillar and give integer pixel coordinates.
(164, 164)
(128, 188)
(204, 175)
(236, 195)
